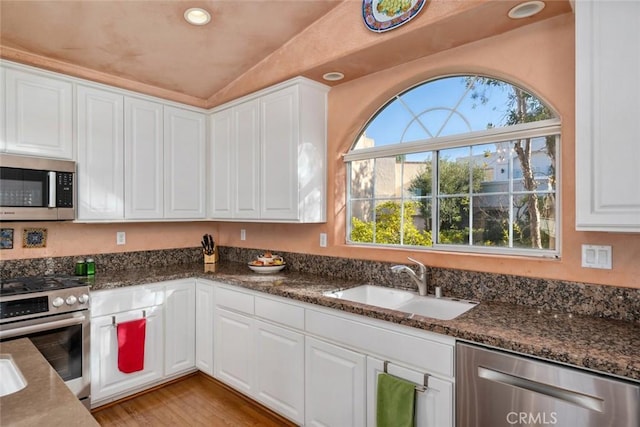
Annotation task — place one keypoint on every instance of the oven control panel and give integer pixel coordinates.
(26, 306)
(23, 307)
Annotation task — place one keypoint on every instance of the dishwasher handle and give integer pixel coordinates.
(583, 400)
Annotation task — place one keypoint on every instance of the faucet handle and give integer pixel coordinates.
(423, 269)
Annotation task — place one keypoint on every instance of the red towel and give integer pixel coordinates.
(131, 338)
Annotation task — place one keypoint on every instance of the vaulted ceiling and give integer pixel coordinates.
(147, 45)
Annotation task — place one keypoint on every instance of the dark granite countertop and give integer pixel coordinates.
(46, 400)
(610, 346)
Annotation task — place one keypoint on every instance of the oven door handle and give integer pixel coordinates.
(25, 330)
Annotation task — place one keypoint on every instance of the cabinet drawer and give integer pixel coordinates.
(280, 312)
(427, 355)
(234, 300)
(112, 301)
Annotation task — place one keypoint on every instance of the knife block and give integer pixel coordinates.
(211, 259)
(210, 262)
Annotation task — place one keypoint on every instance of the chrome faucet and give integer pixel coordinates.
(419, 279)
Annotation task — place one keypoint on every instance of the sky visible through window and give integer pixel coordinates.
(433, 104)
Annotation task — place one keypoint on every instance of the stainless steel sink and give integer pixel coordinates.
(407, 301)
(12, 379)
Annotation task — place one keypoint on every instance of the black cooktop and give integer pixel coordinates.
(26, 285)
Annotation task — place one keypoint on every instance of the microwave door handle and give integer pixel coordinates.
(52, 189)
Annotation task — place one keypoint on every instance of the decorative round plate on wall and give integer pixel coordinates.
(385, 15)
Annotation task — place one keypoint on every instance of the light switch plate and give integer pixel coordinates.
(323, 240)
(594, 256)
(243, 234)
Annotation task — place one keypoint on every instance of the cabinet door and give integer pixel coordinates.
(204, 327)
(280, 370)
(180, 325)
(221, 172)
(233, 350)
(335, 385)
(106, 379)
(246, 128)
(607, 111)
(143, 159)
(100, 154)
(39, 115)
(184, 163)
(279, 155)
(434, 406)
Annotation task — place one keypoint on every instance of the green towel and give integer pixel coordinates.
(396, 401)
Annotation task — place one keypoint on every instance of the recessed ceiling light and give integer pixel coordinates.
(197, 16)
(333, 76)
(526, 9)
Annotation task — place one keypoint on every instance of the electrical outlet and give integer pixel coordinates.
(596, 256)
(121, 238)
(243, 234)
(323, 240)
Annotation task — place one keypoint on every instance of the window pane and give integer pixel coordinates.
(454, 171)
(361, 182)
(491, 220)
(453, 214)
(387, 177)
(361, 221)
(387, 127)
(531, 229)
(388, 222)
(417, 175)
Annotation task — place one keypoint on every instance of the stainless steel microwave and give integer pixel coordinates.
(34, 188)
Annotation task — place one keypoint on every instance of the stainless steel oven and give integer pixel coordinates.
(57, 321)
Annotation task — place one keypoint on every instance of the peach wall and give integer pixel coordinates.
(69, 239)
(539, 57)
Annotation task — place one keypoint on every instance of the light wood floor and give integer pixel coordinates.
(197, 400)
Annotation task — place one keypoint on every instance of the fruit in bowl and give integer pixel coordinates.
(269, 259)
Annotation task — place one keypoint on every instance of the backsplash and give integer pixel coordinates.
(553, 295)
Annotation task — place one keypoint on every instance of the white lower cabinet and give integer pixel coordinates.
(279, 369)
(259, 358)
(312, 365)
(434, 405)
(204, 327)
(233, 350)
(180, 326)
(335, 385)
(106, 379)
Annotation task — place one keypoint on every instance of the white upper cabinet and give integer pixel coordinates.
(246, 128)
(275, 142)
(222, 166)
(100, 154)
(607, 112)
(184, 163)
(143, 159)
(39, 114)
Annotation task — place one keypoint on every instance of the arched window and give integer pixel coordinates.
(464, 163)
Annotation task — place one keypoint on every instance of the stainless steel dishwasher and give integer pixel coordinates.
(495, 388)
